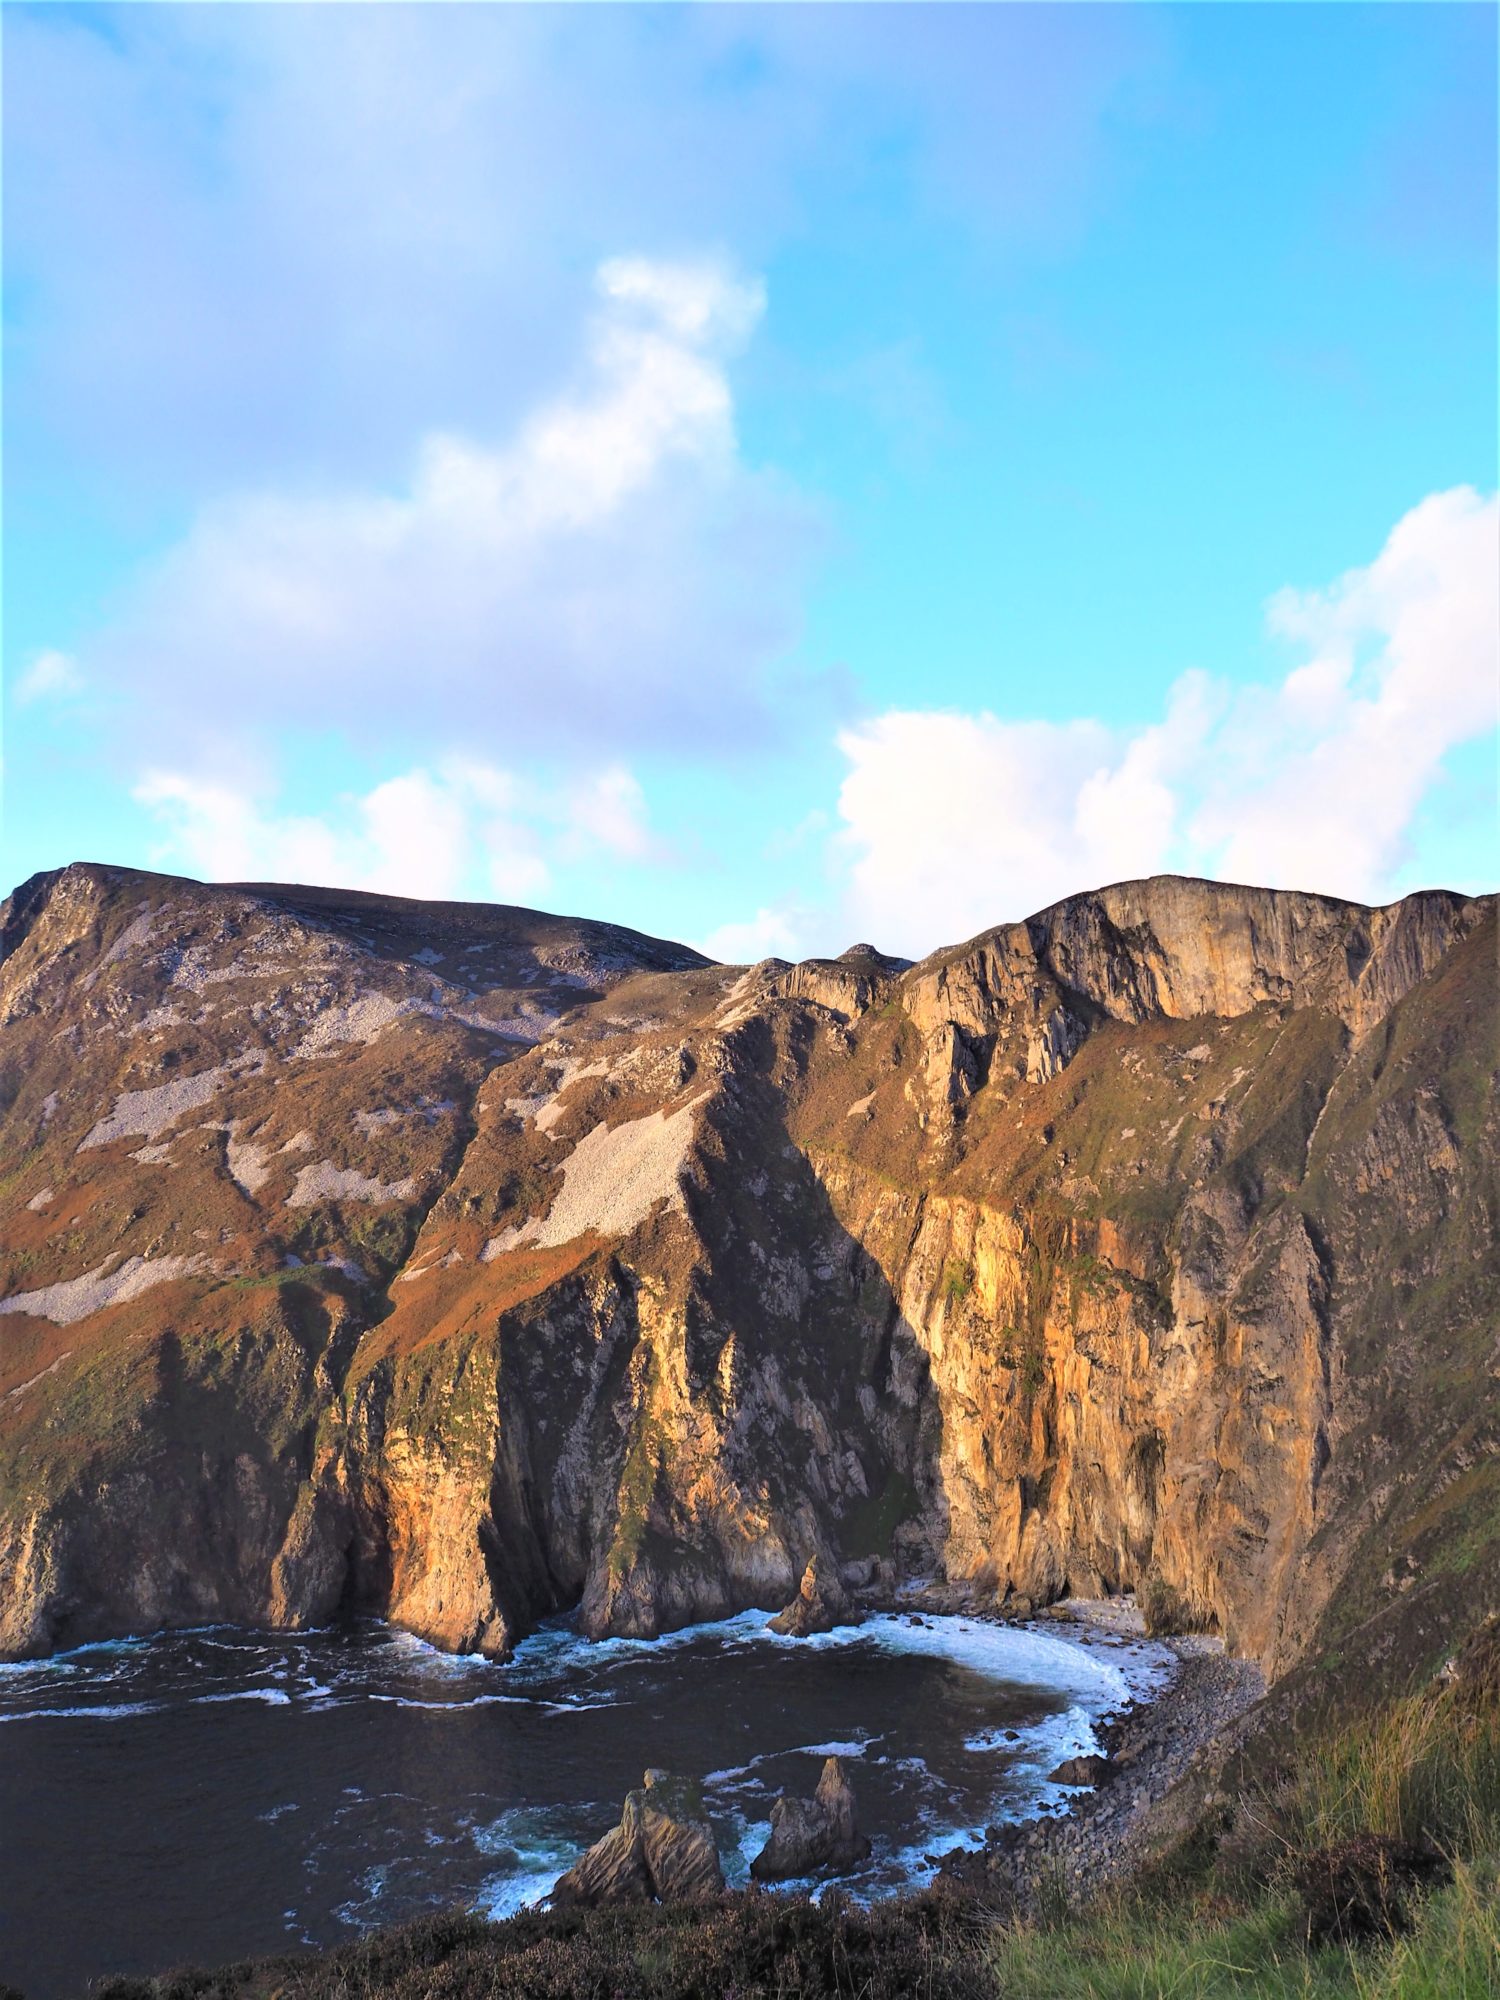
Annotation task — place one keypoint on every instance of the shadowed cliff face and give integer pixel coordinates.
(462, 1264)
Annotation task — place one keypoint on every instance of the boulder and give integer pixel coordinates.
(820, 1604)
(663, 1850)
(1081, 1771)
(809, 1835)
(834, 1798)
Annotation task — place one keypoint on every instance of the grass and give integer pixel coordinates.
(1226, 1922)
(1122, 1952)
(957, 1282)
(1198, 1950)
(1421, 1770)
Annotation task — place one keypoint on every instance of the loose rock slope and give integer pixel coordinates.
(462, 1264)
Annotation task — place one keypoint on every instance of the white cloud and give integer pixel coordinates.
(613, 575)
(692, 300)
(252, 237)
(770, 933)
(47, 677)
(608, 811)
(461, 829)
(221, 833)
(955, 822)
(1328, 769)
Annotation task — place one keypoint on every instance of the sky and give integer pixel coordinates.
(773, 476)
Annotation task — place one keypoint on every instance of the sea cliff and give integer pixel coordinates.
(462, 1264)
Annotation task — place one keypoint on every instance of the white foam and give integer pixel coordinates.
(110, 1712)
(459, 1705)
(854, 1748)
(1017, 1654)
(274, 1696)
(527, 1837)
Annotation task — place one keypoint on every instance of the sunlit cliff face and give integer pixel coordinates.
(463, 1264)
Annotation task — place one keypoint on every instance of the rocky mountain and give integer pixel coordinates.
(461, 1264)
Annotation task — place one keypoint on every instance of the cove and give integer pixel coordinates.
(207, 1795)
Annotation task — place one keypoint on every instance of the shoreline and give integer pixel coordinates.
(1184, 1693)
(1107, 1831)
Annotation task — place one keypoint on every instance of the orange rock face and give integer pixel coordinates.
(462, 1264)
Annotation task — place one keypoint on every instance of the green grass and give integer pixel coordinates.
(957, 1282)
(1454, 1952)
(1125, 1953)
(1224, 1921)
(1422, 1769)
(1193, 1953)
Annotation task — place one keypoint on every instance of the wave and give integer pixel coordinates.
(277, 1697)
(100, 1712)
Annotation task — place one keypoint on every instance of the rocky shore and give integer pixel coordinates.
(1157, 1763)
(1161, 1757)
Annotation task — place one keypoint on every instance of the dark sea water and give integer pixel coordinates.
(208, 1795)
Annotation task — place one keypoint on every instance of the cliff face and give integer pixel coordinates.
(463, 1264)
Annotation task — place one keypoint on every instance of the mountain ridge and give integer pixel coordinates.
(465, 1263)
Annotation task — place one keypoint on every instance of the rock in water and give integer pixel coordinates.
(797, 1843)
(812, 1834)
(663, 1850)
(682, 1857)
(834, 1798)
(820, 1604)
(614, 1869)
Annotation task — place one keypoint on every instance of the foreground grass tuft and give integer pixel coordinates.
(1230, 1920)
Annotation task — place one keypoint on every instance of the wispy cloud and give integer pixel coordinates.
(47, 678)
(261, 238)
(776, 932)
(614, 574)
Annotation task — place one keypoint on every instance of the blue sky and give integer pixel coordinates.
(769, 475)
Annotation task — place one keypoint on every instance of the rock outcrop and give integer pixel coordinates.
(820, 1604)
(463, 1265)
(662, 1850)
(1082, 1771)
(813, 1836)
